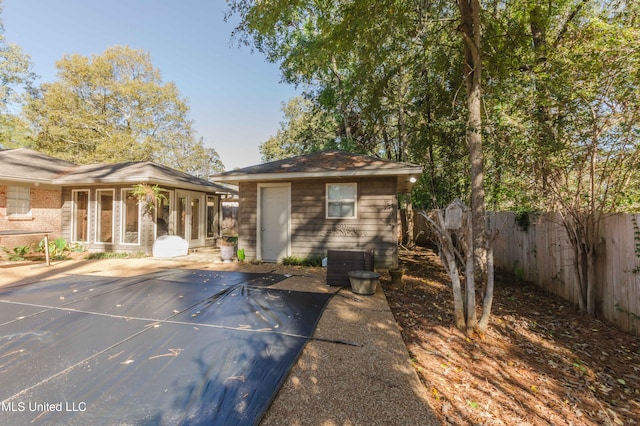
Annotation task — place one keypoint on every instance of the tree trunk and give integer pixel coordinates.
(591, 281)
(576, 240)
(470, 30)
(474, 238)
(343, 105)
(477, 259)
(488, 296)
(458, 301)
(448, 259)
(403, 226)
(582, 276)
(402, 135)
(406, 222)
(466, 241)
(409, 218)
(470, 295)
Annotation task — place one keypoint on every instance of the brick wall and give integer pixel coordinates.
(45, 216)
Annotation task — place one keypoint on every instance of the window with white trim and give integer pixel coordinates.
(342, 200)
(104, 215)
(130, 233)
(18, 201)
(80, 215)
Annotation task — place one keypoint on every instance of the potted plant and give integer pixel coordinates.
(227, 246)
(148, 196)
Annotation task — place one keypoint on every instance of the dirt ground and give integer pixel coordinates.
(540, 363)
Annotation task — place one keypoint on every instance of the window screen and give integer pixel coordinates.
(341, 200)
(18, 200)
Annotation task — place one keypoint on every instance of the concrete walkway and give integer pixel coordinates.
(368, 382)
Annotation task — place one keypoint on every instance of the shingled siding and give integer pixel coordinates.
(247, 218)
(312, 234)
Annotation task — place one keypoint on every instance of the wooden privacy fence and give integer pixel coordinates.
(542, 254)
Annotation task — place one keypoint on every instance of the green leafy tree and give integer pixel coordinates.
(519, 105)
(564, 117)
(354, 76)
(307, 127)
(389, 75)
(16, 81)
(114, 107)
(190, 157)
(595, 166)
(369, 62)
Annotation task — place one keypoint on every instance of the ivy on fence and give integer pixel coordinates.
(636, 239)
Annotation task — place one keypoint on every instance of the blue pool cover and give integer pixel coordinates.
(185, 347)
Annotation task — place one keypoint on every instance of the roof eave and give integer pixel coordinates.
(132, 180)
(249, 177)
(29, 180)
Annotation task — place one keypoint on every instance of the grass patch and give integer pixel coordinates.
(302, 261)
(112, 255)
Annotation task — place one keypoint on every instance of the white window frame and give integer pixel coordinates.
(123, 218)
(18, 201)
(74, 214)
(170, 219)
(354, 200)
(98, 220)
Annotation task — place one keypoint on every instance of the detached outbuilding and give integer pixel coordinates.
(304, 206)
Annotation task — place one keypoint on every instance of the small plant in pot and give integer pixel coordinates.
(227, 246)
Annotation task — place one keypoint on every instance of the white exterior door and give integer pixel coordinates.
(274, 221)
(190, 217)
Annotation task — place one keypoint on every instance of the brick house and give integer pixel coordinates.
(94, 204)
(306, 205)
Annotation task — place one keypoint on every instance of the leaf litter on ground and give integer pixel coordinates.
(541, 361)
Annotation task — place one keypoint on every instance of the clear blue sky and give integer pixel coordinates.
(235, 96)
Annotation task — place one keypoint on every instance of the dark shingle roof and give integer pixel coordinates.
(324, 161)
(27, 165)
(322, 164)
(23, 164)
(134, 172)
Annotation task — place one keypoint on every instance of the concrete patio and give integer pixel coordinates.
(355, 370)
